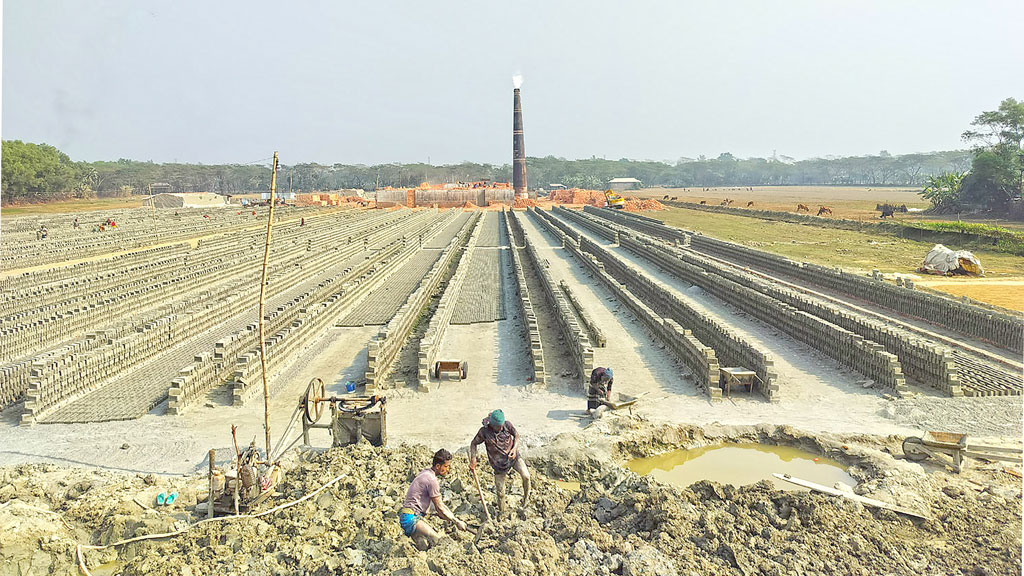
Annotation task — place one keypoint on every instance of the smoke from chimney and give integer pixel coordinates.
(518, 146)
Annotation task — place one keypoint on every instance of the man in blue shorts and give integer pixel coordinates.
(424, 492)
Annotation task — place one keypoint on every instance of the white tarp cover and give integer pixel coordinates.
(942, 260)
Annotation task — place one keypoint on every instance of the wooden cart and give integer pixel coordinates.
(951, 449)
(735, 376)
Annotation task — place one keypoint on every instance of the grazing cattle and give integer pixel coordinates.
(887, 210)
(666, 197)
(800, 207)
(749, 204)
(703, 202)
(675, 197)
(902, 208)
(727, 201)
(824, 210)
(724, 203)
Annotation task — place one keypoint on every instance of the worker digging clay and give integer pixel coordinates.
(424, 493)
(600, 390)
(501, 439)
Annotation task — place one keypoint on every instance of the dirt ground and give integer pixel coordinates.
(617, 523)
(1008, 293)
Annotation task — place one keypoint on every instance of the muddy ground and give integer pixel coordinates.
(618, 523)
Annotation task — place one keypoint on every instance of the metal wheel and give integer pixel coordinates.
(911, 450)
(464, 370)
(437, 370)
(312, 407)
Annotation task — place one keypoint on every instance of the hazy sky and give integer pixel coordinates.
(390, 81)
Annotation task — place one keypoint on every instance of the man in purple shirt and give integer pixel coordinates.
(424, 492)
(501, 439)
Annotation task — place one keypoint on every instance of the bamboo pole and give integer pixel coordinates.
(213, 457)
(263, 294)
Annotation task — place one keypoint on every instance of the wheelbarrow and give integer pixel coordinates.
(952, 449)
(622, 401)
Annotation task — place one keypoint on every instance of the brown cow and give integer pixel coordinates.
(675, 197)
(666, 197)
(749, 204)
(724, 202)
(800, 207)
(824, 210)
(727, 201)
(703, 202)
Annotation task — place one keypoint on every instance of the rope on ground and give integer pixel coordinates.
(81, 555)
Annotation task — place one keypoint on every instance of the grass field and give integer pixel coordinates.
(68, 206)
(850, 202)
(846, 248)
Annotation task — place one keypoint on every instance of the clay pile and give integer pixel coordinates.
(618, 523)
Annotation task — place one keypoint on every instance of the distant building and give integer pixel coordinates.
(620, 184)
(279, 196)
(185, 200)
(556, 187)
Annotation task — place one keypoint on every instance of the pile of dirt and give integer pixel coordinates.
(523, 202)
(635, 205)
(470, 206)
(618, 523)
(577, 196)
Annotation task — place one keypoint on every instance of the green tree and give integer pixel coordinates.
(998, 136)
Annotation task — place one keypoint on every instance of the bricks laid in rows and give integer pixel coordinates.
(526, 310)
(430, 343)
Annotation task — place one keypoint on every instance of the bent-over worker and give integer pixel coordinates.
(600, 388)
(501, 439)
(424, 492)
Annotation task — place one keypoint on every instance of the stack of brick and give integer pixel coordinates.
(701, 360)
(430, 343)
(525, 301)
(575, 336)
(383, 349)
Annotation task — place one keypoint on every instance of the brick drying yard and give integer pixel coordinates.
(135, 350)
(149, 329)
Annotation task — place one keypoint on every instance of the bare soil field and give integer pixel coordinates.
(67, 206)
(1008, 293)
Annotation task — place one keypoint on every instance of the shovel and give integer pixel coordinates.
(487, 514)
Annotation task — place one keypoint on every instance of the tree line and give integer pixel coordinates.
(39, 172)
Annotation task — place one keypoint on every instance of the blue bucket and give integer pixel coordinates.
(350, 386)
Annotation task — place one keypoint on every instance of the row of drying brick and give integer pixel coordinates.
(574, 335)
(700, 359)
(235, 356)
(796, 315)
(1003, 328)
(128, 306)
(433, 336)
(523, 297)
(384, 348)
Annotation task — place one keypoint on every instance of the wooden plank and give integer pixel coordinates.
(855, 497)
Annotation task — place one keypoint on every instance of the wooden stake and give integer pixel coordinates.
(213, 458)
(263, 295)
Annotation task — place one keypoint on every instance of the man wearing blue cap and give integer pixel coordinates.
(600, 389)
(501, 439)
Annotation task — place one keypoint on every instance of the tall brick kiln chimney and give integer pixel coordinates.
(518, 147)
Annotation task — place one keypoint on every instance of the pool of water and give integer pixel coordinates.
(741, 464)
